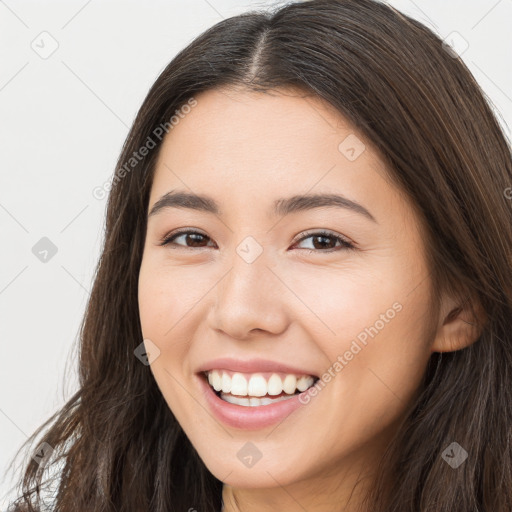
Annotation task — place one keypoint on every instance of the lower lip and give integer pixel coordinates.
(246, 417)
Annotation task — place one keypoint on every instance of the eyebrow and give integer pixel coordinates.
(282, 207)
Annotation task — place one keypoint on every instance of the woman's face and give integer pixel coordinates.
(265, 291)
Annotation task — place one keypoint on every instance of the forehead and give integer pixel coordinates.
(283, 123)
(279, 140)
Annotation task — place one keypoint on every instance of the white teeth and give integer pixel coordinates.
(252, 402)
(256, 385)
(275, 385)
(226, 383)
(238, 385)
(303, 383)
(215, 380)
(290, 384)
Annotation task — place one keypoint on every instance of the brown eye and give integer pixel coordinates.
(191, 239)
(325, 241)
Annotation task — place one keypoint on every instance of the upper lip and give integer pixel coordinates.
(252, 366)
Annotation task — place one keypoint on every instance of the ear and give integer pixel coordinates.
(460, 324)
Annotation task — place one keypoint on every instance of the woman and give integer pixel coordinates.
(305, 292)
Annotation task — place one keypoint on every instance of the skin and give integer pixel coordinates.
(201, 301)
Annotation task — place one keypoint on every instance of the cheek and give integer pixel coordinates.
(168, 308)
(159, 312)
(372, 328)
(160, 309)
(166, 294)
(343, 302)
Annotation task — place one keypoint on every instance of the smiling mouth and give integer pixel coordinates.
(257, 389)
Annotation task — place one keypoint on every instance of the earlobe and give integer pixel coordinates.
(459, 326)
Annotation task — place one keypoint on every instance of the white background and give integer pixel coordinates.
(62, 124)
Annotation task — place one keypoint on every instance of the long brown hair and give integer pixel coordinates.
(117, 446)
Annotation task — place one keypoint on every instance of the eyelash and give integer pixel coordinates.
(345, 244)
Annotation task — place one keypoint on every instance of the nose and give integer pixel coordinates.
(249, 298)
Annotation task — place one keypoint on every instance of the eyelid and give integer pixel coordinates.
(165, 240)
(321, 231)
(346, 243)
